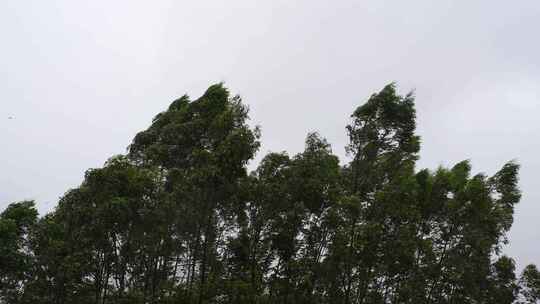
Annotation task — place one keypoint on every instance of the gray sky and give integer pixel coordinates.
(80, 78)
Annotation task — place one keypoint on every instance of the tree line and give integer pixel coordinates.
(179, 219)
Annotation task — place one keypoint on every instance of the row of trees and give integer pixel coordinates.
(178, 219)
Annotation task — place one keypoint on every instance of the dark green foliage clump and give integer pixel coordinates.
(179, 219)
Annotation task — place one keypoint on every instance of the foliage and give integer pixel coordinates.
(180, 220)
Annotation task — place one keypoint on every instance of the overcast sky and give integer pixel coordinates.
(80, 78)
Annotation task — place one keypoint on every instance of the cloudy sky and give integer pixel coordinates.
(80, 78)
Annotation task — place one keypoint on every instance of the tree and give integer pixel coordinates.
(503, 285)
(178, 219)
(16, 260)
(530, 284)
(202, 148)
(384, 147)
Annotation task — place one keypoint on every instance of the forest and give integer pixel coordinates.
(179, 218)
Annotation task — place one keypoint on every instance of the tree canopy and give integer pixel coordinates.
(180, 219)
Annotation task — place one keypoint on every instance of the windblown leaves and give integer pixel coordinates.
(179, 220)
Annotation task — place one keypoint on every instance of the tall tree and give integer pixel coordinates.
(179, 220)
(383, 146)
(203, 148)
(16, 259)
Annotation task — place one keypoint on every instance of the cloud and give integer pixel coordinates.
(83, 78)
